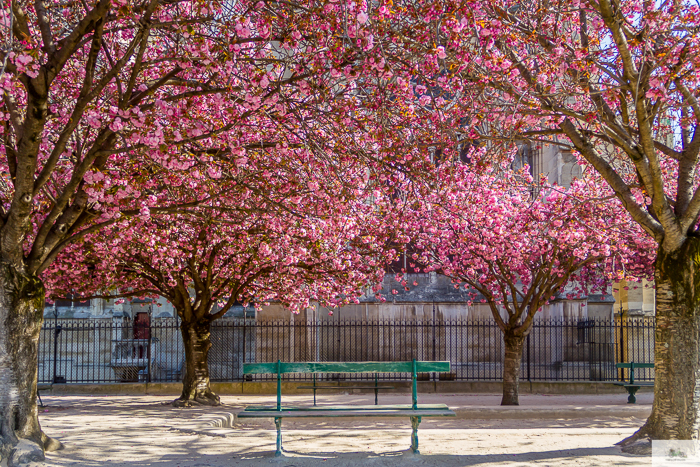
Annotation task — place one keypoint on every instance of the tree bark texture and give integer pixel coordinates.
(21, 317)
(511, 368)
(195, 383)
(675, 412)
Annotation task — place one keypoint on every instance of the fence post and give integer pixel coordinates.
(434, 331)
(56, 332)
(528, 355)
(622, 349)
(148, 351)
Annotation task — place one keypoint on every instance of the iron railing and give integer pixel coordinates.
(113, 350)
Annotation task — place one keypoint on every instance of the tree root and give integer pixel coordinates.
(50, 444)
(209, 399)
(638, 444)
(22, 451)
(640, 447)
(643, 432)
(510, 399)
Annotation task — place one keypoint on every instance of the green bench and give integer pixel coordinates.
(631, 385)
(414, 411)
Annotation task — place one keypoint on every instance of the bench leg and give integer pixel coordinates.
(278, 424)
(632, 390)
(415, 421)
(41, 403)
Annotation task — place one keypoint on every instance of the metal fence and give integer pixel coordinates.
(108, 351)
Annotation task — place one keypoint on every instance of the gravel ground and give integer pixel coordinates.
(146, 431)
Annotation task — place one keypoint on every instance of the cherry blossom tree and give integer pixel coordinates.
(614, 81)
(108, 105)
(293, 245)
(518, 244)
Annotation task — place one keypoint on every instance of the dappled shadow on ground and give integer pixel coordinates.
(121, 431)
(148, 407)
(554, 457)
(452, 400)
(187, 455)
(449, 423)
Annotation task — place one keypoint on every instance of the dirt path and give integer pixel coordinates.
(142, 431)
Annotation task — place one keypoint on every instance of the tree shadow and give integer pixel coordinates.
(406, 457)
(117, 431)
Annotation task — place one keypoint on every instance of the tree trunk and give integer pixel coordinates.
(195, 383)
(21, 316)
(511, 368)
(675, 413)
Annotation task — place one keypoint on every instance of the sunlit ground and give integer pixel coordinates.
(142, 430)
